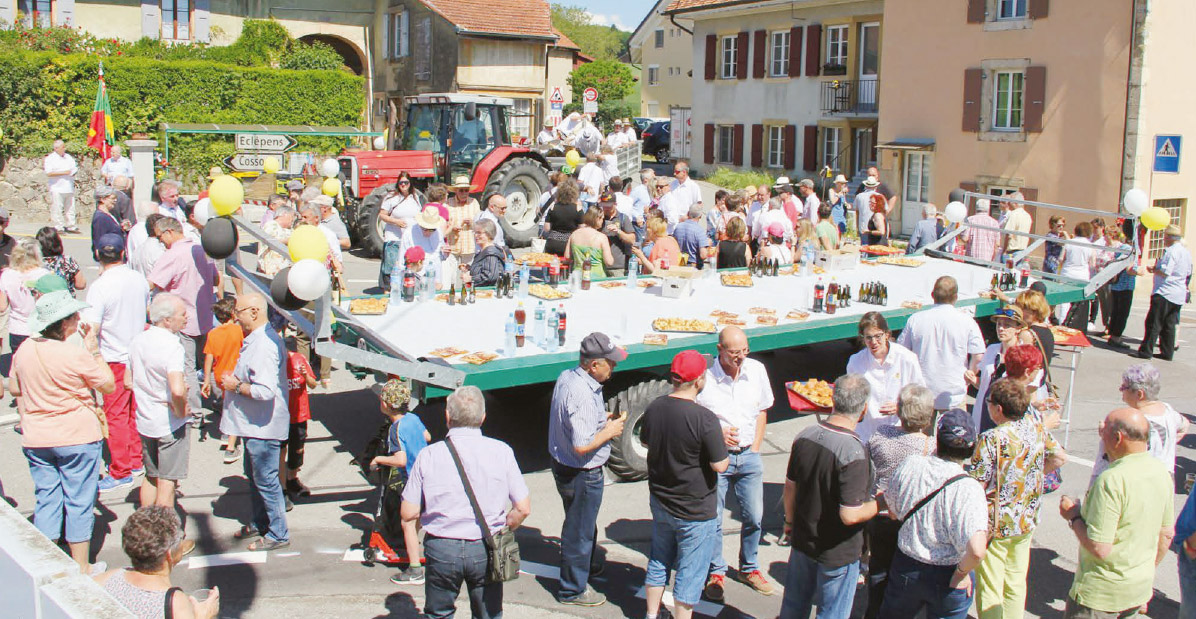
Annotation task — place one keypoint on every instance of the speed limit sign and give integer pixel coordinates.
(590, 94)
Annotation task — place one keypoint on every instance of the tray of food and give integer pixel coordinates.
(483, 294)
(737, 280)
(901, 261)
(812, 395)
(1066, 336)
(447, 351)
(726, 321)
(612, 284)
(536, 258)
(757, 311)
(797, 315)
(724, 314)
(881, 250)
(478, 358)
(546, 292)
(649, 282)
(373, 306)
(914, 305)
(766, 320)
(683, 325)
(656, 339)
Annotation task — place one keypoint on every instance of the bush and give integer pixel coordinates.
(734, 179)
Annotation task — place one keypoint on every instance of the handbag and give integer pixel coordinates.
(99, 413)
(502, 550)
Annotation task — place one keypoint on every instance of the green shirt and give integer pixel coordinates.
(826, 229)
(1128, 505)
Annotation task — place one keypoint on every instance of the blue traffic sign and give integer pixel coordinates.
(1166, 153)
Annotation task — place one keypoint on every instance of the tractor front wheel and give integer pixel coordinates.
(522, 181)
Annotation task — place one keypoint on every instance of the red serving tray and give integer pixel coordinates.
(799, 403)
(1079, 341)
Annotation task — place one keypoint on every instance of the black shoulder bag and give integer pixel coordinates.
(931, 496)
(502, 550)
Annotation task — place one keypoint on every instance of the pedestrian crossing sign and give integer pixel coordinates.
(1166, 153)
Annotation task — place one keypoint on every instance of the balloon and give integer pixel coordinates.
(308, 280)
(330, 167)
(1135, 202)
(226, 194)
(271, 165)
(1156, 218)
(956, 195)
(567, 170)
(219, 238)
(331, 187)
(379, 143)
(955, 212)
(308, 243)
(280, 293)
(573, 158)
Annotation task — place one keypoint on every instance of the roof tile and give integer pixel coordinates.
(508, 17)
(681, 6)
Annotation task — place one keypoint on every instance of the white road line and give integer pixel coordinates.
(539, 570)
(703, 607)
(357, 555)
(8, 420)
(1087, 463)
(228, 558)
(286, 554)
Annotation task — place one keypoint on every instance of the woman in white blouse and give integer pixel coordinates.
(398, 212)
(887, 366)
(1011, 331)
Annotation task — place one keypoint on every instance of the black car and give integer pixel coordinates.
(641, 123)
(656, 141)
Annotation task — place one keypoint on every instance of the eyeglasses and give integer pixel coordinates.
(876, 337)
(739, 352)
(241, 309)
(404, 182)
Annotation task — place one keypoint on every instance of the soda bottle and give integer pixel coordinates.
(408, 285)
(561, 324)
(776, 267)
(520, 319)
(585, 273)
(464, 295)
(554, 271)
(554, 325)
(819, 291)
(472, 298)
(1025, 282)
(525, 277)
(538, 323)
(832, 299)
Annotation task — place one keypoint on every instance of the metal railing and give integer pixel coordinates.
(850, 97)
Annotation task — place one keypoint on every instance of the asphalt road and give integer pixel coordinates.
(318, 576)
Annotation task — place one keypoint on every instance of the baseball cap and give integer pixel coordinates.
(607, 197)
(956, 431)
(414, 254)
(776, 229)
(50, 282)
(322, 200)
(805, 182)
(294, 185)
(687, 366)
(598, 346)
(111, 241)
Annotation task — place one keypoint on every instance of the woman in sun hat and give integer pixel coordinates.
(836, 196)
(62, 428)
(463, 209)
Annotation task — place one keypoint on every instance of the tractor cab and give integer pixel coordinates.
(459, 130)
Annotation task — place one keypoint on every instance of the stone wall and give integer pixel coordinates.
(24, 193)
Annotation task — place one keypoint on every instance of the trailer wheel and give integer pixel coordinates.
(521, 181)
(369, 555)
(628, 456)
(368, 225)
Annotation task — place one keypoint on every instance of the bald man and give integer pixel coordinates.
(738, 392)
(1124, 524)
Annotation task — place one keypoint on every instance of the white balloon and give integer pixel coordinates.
(308, 280)
(955, 212)
(330, 168)
(379, 143)
(1136, 202)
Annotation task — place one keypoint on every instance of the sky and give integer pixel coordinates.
(624, 14)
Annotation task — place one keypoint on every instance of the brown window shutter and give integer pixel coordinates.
(810, 148)
(795, 51)
(711, 54)
(972, 84)
(813, 50)
(790, 147)
(737, 147)
(1034, 99)
(741, 57)
(976, 10)
(758, 54)
(969, 186)
(708, 144)
(1038, 9)
(757, 146)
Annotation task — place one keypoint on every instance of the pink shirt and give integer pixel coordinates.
(187, 271)
(56, 406)
(21, 300)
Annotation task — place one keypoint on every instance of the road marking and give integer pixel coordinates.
(1087, 463)
(356, 555)
(287, 554)
(8, 420)
(228, 558)
(540, 570)
(703, 607)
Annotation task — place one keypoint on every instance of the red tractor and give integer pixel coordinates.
(446, 136)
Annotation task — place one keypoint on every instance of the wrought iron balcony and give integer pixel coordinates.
(859, 97)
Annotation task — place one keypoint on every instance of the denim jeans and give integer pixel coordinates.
(1187, 585)
(581, 492)
(684, 545)
(914, 585)
(269, 515)
(65, 478)
(451, 562)
(746, 472)
(809, 584)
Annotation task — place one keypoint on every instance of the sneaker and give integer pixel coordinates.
(714, 588)
(138, 472)
(109, 484)
(756, 580)
(409, 576)
(296, 488)
(232, 456)
(589, 597)
(289, 503)
(72, 230)
(97, 568)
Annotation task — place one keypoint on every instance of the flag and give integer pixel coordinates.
(99, 133)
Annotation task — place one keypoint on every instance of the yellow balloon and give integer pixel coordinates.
(226, 194)
(308, 243)
(573, 158)
(1155, 218)
(271, 165)
(331, 187)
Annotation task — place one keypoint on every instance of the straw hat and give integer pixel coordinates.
(871, 182)
(461, 182)
(430, 218)
(214, 172)
(53, 307)
(840, 179)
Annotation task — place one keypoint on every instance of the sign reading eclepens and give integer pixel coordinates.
(264, 142)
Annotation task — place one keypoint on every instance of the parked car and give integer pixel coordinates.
(656, 141)
(641, 123)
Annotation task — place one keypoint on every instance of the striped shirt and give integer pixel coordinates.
(575, 417)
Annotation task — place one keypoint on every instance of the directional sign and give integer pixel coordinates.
(264, 142)
(1166, 153)
(590, 94)
(247, 162)
(559, 97)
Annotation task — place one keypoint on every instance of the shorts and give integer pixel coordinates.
(295, 441)
(167, 457)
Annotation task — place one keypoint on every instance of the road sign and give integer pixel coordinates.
(556, 107)
(248, 162)
(1166, 153)
(558, 96)
(264, 142)
(589, 107)
(590, 94)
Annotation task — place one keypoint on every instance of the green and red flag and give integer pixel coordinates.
(99, 133)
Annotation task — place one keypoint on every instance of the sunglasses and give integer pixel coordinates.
(404, 182)
(1006, 312)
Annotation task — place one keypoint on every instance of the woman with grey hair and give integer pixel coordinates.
(490, 260)
(24, 265)
(1140, 387)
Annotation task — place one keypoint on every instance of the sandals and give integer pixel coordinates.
(247, 532)
(266, 544)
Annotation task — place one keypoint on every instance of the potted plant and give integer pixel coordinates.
(834, 69)
(139, 122)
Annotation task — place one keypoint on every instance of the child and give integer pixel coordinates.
(407, 437)
(300, 378)
(220, 354)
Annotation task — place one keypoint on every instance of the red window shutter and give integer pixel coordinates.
(708, 144)
(711, 54)
(810, 148)
(741, 57)
(972, 84)
(795, 51)
(757, 146)
(813, 50)
(976, 11)
(1038, 9)
(737, 147)
(758, 54)
(1034, 102)
(789, 147)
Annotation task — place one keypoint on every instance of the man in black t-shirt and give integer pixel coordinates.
(686, 452)
(826, 505)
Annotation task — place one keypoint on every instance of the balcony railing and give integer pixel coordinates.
(850, 97)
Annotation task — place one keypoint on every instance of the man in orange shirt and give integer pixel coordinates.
(221, 351)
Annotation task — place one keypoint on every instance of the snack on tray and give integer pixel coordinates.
(648, 283)
(546, 292)
(818, 392)
(1063, 332)
(911, 305)
(369, 307)
(478, 358)
(535, 258)
(656, 339)
(762, 310)
(740, 280)
(797, 315)
(684, 325)
(766, 320)
(819, 270)
(731, 322)
(447, 351)
(724, 314)
(881, 250)
(483, 294)
(901, 261)
(612, 284)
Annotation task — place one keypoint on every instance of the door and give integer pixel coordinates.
(865, 148)
(680, 133)
(915, 192)
(869, 65)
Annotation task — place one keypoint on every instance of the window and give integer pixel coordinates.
(917, 177)
(176, 20)
(780, 54)
(38, 13)
(423, 48)
(776, 146)
(730, 56)
(836, 45)
(1007, 100)
(401, 35)
(832, 143)
(658, 37)
(726, 144)
(1011, 9)
(653, 75)
(1154, 239)
(519, 119)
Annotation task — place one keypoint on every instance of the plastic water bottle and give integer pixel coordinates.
(509, 342)
(551, 337)
(633, 267)
(538, 324)
(525, 276)
(396, 288)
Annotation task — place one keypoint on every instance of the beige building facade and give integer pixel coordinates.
(663, 48)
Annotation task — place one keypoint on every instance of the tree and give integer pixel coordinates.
(612, 79)
(598, 42)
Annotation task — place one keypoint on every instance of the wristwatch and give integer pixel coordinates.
(1072, 522)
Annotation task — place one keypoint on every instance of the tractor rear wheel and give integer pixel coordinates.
(369, 226)
(629, 456)
(522, 181)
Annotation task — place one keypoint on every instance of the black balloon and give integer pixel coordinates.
(219, 238)
(280, 292)
(956, 195)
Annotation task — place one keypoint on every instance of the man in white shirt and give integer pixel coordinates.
(60, 171)
(169, 201)
(947, 343)
(641, 200)
(669, 205)
(685, 190)
(310, 213)
(116, 165)
(589, 139)
(1172, 273)
(738, 392)
(591, 179)
(1017, 220)
(616, 138)
(629, 136)
(623, 203)
(863, 202)
(142, 248)
(546, 135)
(775, 213)
(810, 200)
(496, 210)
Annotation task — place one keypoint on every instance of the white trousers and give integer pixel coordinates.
(60, 204)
